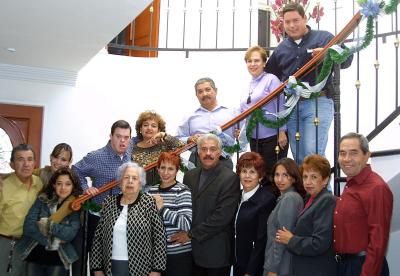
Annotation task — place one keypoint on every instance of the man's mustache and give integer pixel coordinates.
(206, 97)
(208, 157)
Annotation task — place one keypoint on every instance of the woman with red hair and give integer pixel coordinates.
(174, 203)
(256, 204)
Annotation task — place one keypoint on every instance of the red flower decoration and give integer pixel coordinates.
(317, 13)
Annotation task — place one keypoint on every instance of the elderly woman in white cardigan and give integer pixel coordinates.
(130, 237)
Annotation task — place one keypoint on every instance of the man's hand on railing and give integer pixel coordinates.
(315, 51)
(92, 191)
(237, 133)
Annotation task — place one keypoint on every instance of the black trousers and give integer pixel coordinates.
(266, 148)
(203, 271)
(179, 264)
(241, 271)
(353, 267)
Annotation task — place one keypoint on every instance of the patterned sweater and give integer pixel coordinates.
(145, 236)
(176, 213)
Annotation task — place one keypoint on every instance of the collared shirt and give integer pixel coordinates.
(204, 121)
(16, 198)
(261, 87)
(246, 196)
(101, 166)
(289, 56)
(362, 219)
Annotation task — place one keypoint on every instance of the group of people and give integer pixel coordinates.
(205, 224)
(273, 216)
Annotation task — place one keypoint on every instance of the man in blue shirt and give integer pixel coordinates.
(299, 46)
(208, 117)
(101, 167)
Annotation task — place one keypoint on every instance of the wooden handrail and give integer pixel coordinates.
(308, 67)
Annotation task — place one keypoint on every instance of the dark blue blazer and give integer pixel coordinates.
(251, 231)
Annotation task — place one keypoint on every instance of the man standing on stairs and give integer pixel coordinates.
(208, 117)
(17, 194)
(297, 48)
(101, 167)
(363, 213)
(215, 197)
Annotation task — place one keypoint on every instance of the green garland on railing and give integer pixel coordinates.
(258, 117)
(232, 149)
(183, 168)
(91, 206)
(391, 7)
(369, 33)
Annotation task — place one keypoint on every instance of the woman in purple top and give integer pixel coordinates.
(264, 140)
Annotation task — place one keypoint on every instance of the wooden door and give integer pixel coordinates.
(23, 124)
(144, 30)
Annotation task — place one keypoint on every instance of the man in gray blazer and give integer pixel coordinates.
(215, 195)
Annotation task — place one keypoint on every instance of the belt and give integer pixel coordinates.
(11, 238)
(321, 94)
(345, 256)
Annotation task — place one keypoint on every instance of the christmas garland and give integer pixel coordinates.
(91, 206)
(369, 9)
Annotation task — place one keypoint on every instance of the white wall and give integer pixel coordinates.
(114, 87)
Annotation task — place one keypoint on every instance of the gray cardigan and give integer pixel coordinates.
(277, 257)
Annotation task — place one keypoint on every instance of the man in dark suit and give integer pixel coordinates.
(215, 195)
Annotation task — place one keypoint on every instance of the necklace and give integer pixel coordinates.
(249, 97)
(251, 90)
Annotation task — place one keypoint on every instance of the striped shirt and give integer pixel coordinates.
(176, 213)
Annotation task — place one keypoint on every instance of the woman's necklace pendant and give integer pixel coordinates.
(248, 99)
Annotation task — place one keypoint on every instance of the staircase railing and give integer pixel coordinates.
(309, 66)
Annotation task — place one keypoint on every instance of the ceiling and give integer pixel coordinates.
(60, 35)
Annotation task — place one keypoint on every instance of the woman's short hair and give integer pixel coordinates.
(76, 187)
(169, 157)
(249, 160)
(293, 170)
(318, 163)
(140, 170)
(149, 115)
(59, 148)
(263, 53)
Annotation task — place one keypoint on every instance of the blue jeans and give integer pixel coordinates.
(308, 141)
